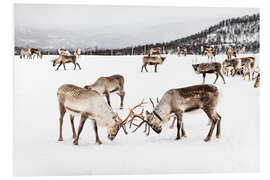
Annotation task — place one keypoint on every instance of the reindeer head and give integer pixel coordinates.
(153, 121)
(87, 87)
(113, 131)
(195, 67)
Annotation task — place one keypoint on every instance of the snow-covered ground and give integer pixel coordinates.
(37, 152)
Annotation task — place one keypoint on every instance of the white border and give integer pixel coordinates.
(6, 100)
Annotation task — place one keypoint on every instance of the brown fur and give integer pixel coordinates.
(108, 85)
(63, 59)
(181, 50)
(152, 60)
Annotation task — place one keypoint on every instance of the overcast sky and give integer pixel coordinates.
(116, 21)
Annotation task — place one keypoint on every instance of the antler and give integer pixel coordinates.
(132, 115)
(152, 102)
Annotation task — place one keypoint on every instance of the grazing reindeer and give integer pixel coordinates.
(153, 51)
(257, 82)
(64, 52)
(110, 84)
(181, 50)
(210, 68)
(62, 59)
(182, 100)
(230, 52)
(25, 53)
(152, 60)
(205, 49)
(88, 104)
(77, 52)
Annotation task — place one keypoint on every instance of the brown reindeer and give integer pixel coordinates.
(205, 49)
(88, 104)
(153, 51)
(230, 52)
(208, 68)
(183, 100)
(107, 85)
(257, 82)
(63, 59)
(152, 60)
(181, 50)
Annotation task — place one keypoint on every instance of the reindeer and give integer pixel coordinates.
(78, 52)
(64, 52)
(241, 50)
(63, 59)
(257, 82)
(210, 68)
(152, 60)
(205, 49)
(211, 54)
(183, 100)
(36, 52)
(107, 85)
(25, 53)
(88, 104)
(181, 50)
(230, 52)
(153, 51)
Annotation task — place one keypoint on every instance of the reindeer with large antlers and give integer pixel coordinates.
(88, 104)
(183, 100)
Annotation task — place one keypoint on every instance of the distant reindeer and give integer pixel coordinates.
(78, 52)
(183, 100)
(153, 51)
(25, 53)
(209, 68)
(181, 50)
(62, 60)
(107, 85)
(88, 104)
(230, 52)
(205, 49)
(36, 52)
(257, 82)
(241, 50)
(211, 54)
(152, 60)
(64, 52)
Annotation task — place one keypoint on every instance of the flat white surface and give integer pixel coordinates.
(36, 151)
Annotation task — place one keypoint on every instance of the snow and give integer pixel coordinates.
(36, 114)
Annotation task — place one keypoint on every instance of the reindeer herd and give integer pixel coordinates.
(88, 102)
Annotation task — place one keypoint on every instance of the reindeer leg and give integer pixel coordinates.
(58, 66)
(218, 118)
(64, 66)
(62, 113)
(122, 96)
(82, 121)
(145, 128)
(222, 77)
(96, 132)
(204, 77)
(145, 68)
(79, 66)
(183, 130)
(142, 68)
(216, 78)
(213, 124)
(156, 68)
(172, 125)
(108, 98)
(147, 134)
(74, 66)
(179, 123)
(72, 126)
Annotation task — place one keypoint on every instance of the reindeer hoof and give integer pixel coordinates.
(74, 136)
(207, 139)
(218, 136)
(177, 138)
(60, 139)
(121, 108)
(75, 143)
(184, 136)
(98, 142)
